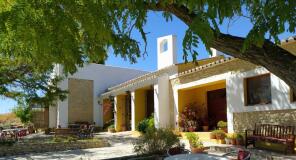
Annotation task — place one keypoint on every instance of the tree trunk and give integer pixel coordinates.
(275, 59)
(271, 56)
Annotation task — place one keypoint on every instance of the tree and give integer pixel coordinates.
(72, 33)
(23, 112)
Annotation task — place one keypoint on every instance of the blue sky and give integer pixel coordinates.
(157, 27)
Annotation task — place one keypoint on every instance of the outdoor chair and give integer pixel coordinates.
(86, 132)
(21, 133)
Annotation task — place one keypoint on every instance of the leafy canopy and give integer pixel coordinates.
(41, 33)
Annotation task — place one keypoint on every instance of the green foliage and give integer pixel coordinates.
(194, 140)
(23, 82)
(239, 136)
(222, 124)
(7, 142)
(147, 123)
(36, 34)
(220, 134)
(111, 126)
(23, 112)
(155, 141)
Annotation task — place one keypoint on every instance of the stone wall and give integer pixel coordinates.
(247, 120)
(40, 118)
(80, 103)
(25, 148)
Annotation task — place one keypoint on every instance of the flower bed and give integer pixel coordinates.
(50, 146)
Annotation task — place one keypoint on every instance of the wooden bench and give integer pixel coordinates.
(272, 133)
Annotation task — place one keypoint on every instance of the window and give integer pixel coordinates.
(163, 46)
(258, 90)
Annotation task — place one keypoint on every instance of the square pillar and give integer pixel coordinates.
(52, 117)
(161, 102)
(176, 109)
(133, 110)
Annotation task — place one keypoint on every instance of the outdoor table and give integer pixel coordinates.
(13, 132)
(200, 156)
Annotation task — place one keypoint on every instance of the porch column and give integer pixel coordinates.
(176, 109)
(52, 117)
(115, 113)
(133, 106)
(161, 102)
(229, 121)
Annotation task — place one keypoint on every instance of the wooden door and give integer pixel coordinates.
(217, 107)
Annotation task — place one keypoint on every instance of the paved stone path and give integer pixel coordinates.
(121, 145)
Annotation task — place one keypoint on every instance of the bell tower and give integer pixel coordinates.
(166, 51)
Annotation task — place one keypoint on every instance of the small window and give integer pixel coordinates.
(258, 90)
(164, 46)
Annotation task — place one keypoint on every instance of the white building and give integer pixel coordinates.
(222, 89)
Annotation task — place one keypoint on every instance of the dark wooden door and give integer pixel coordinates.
(217, 109)
(149, 103)
(128, 111)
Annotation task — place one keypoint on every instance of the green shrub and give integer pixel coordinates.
(222, 124)
(7, 142)
(194, 140)
(23, 112)
(145, 124)
(112, 126)
(155, 141)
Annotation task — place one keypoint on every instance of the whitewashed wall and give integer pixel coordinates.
(280, 93)
(103, 77)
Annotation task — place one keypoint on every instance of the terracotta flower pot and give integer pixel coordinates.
(205, 128)
(224, 129)
(212, 136)
(197, 150)
(191, 129)
(233, 141)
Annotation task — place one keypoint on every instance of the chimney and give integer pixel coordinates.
(166, 51)
(215, 53)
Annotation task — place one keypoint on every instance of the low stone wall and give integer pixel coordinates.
(247, 120)
(25, 148)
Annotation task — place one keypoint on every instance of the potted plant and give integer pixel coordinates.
(233, 139)
(222, 126)
(239, 139)
(205, 125)
(196, 145)
(192, 126)
(111, 128)
(189, 120)
(213, 134)
(228, 138)
(220, 135)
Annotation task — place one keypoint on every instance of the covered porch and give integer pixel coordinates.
(207, 102)
(130, 108)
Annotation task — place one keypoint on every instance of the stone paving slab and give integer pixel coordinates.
(81, 154)
(121, 146)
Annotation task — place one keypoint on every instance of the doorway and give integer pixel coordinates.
(217, 107)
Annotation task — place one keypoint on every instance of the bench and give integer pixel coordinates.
(272, 133)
